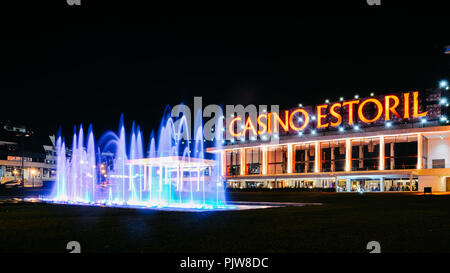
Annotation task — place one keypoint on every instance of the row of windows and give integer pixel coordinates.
(399, 152)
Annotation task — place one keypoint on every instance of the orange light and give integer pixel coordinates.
(361, 113)
(249, 125)
(389, 108)
(416, 113)
(305, 120)
(231, 125)
(406, 105)
(320, 116)
(261, 124)
(278, 120)
(350, 104)
(335, 114)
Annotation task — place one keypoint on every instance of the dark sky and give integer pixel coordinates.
(68, 72)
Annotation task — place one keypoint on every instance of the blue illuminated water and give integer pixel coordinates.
(120, 171)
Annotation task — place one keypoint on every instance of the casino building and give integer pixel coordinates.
(383, 143)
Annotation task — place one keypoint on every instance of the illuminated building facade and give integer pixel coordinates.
(392, 142)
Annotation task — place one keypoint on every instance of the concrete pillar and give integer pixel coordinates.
(318, 160)
(348, 184)
(410, 182)
(242, 161)
(419, 152)
(392, 155)
(289, 158)
(381, 163)
(264, 160)
(223, 165)
(348, 155)
(333, 166)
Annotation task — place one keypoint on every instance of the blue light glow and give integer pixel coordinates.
(168, 174)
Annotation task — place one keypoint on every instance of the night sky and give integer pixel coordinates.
(66, 72)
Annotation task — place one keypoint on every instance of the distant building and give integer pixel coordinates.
(22, 151)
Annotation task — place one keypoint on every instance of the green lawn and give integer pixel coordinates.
(345, 223)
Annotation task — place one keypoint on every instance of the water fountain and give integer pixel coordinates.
(172, 173)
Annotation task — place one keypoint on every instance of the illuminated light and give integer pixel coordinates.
(388, 124)
(321, 116)
(253, 138)
(356, 127)
(416, 113)
(242, 126)
(300, 105)
(389, 108)
(231, 129)
(443, 84)
(275, 135)
(305, 120)
(232, 115)
(341, 99)
(443, 118)
(313, 117)
(313, 132)
(249, 125)
(341, 129)
(264, 137)
(300, 119)
(446, 88)
(350, 109)
(232, 140)
(242, 139)
(264, 110)
(300, 133)
(406, 105)
(262, 124)
(335, 114)
(356, 96)
(372, 94)
(423, 120)
(277, 121)
(327, 101)
(443, 101)
(361, 113)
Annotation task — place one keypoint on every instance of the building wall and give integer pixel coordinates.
(439, 149)
(436, 182)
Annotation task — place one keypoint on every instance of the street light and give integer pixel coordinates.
(33, 173)
(22, 140)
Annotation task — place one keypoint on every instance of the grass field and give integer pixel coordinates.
(401, 222)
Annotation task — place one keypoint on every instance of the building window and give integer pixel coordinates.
(304, 158)
(333, 156)
(233, 162)
(438, 163)
(253, 161)
(400, 152)
(277, 160)
(365, 154)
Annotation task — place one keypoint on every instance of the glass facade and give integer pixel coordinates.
(333, 156)
(304, 158)
(253, 161)
(277, 160)
(365, 154)
(400, 152)
(233, 162)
